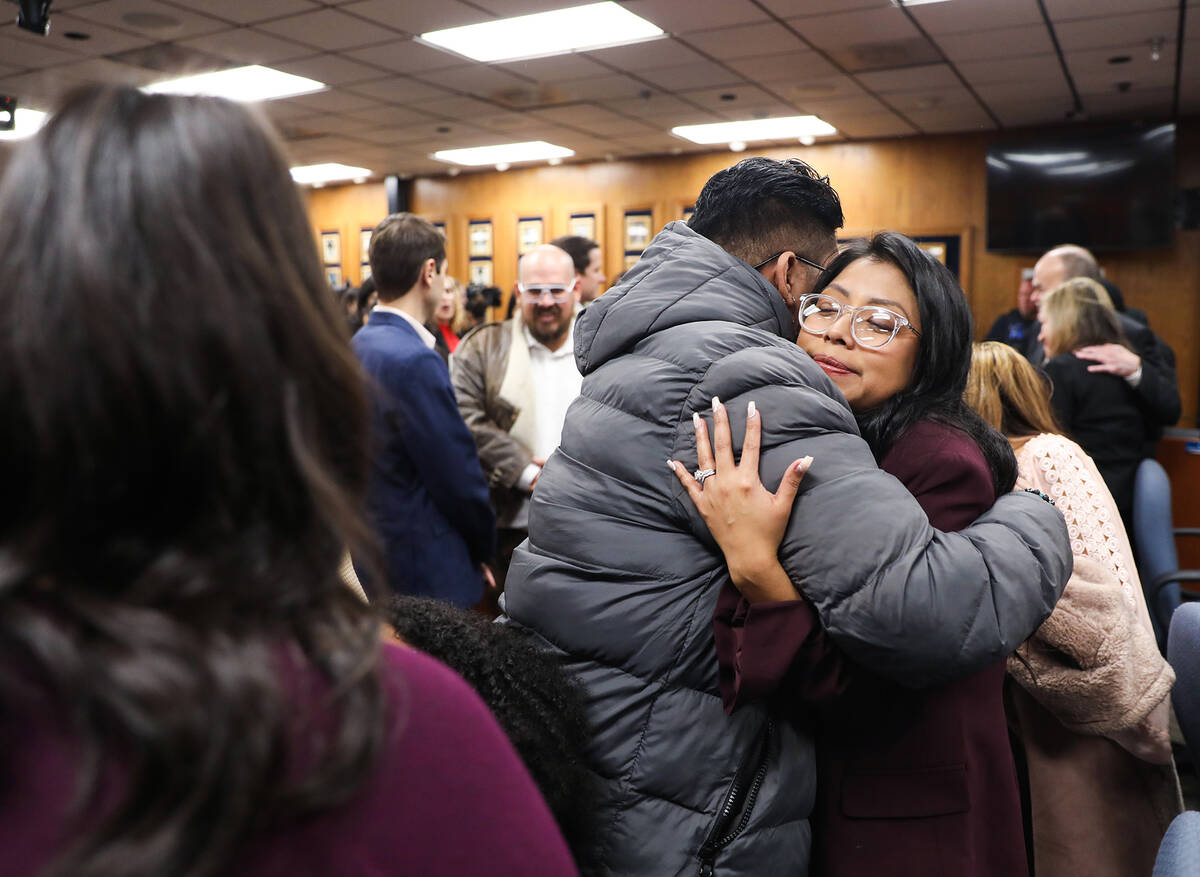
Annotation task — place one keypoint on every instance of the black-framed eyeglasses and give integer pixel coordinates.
(871, 325)
(809, 262)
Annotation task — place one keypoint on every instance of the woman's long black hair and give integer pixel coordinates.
(939, 377)
(183, 456)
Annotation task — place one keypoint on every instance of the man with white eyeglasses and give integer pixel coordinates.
(514, 382)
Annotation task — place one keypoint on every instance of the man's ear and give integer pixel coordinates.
(428, 271)
(575, 292)
(778, 274)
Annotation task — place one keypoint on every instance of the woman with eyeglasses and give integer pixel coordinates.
(910, 782)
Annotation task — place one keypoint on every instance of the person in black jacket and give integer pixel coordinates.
(1147, 364)
(1018, 327)
(1100, 410)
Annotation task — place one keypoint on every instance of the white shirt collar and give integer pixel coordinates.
(426, 336)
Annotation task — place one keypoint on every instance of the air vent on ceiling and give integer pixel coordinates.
(889, 55)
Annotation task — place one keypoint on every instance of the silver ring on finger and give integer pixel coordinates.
(701, 474)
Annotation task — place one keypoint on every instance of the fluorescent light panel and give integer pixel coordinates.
(27, 123)
(593, 26)
(504, 153)
(246, 84)
(914, 2)
(327, 173)
(783, 128)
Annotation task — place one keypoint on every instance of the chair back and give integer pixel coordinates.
(1179, 852)
(1183, 654)
(1154, 536)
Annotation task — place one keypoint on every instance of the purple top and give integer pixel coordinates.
(449, 797)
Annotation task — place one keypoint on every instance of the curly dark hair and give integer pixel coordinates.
(538, 705)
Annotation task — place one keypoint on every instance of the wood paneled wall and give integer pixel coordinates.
(347, 210)
(926, 185)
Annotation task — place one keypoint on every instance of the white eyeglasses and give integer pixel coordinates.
(871, 325)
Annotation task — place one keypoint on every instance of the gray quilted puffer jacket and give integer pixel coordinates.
(621, 575)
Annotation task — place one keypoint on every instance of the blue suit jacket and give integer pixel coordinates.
(428, 497)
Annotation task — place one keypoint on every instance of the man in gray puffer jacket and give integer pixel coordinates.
(621, 575)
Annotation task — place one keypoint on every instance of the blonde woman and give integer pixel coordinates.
(1100, 411)
(1089, 706)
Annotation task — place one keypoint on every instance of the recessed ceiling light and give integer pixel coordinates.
(504, 153)
(319, 174)
(807, 140)
(26, 124)
(593, 26)
(783, 128)
(252, 83)
(737, 146)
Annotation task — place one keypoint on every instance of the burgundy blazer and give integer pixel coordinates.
(909, 783)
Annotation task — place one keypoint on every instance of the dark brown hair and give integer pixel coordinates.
(183, 458)
(578, 248)
(400, 247)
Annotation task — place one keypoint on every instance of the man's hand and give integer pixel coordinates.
(1113, 359)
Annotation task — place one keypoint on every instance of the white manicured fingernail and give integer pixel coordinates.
(803, 463)
(697, 420)
(671, 465)
(751, 411)
(716, 402)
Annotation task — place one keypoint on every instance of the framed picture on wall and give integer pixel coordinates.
(481, 271)
(333, 274)
(687, 213)
(331, 247)
(529, 234)
(440, 226)
(583, 225)
(364, 245)
(637, 230)
(937, 249)
(364, 273)
(479, 239)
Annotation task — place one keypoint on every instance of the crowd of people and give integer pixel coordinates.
(751, 564)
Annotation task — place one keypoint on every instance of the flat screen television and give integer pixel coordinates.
(1105, 188)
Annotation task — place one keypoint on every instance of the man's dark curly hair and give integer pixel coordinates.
(762, 206)
(537, 704)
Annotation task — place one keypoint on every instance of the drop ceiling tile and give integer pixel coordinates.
(791, 67)
(614, 87)
(801, 8)
(704, 74)
(929, 76)
(417, 16)
(825, 88)
(399, 90)
(249, 46)
(743, 98)
(509, 8)
(479, 79)
(745, 41)
(20, 50)
(556, 68)
(768, 109)
(389, 116)
(932, 99)
(662, 109)
(648, 55)
(328, 29)
(1064, 10)
(331, 69)
(326, 123)
(241, 12)
(940, 121)
(1117, 30)
(1038, 91)
(861, 105)
(407, 56)
(844, 29)
(462, 108)
(1010, 69)
(874, 125)
(101, 40)
(1093, 65)
(1153, 101)
(101, 70)
(1032, 112)
(285, 110)
(944, 18)
(124, 15)
(1005, 42)
(675, 17)
(334, 100)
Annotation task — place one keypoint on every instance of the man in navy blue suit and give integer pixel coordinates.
(428, 498)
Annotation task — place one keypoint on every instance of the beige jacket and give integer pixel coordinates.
(493, 384)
